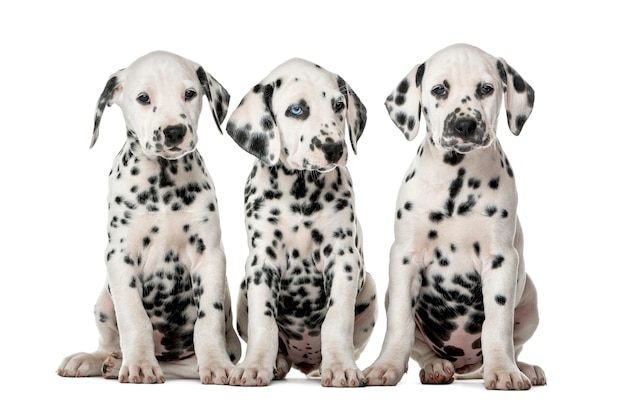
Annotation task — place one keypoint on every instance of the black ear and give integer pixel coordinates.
(111, 90)
(253, 127)
(216, 94)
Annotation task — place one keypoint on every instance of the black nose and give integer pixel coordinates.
(174, 135)
(465, 128)
(333, 151)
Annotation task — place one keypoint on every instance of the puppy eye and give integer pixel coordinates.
(143, 98)
(338, 106)
(486, 89)
(298, 110)
(439, 91)
(190, 94)
(295, 110)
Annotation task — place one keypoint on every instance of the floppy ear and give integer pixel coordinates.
(519, 96)
(216, 94)
(356, 113)
(253, 125)
(404, 104)
(110, 94)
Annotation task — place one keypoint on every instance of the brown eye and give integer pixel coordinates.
(338, 106)
(439, 91)
(190, 94)
(486, 89)
(143, 99)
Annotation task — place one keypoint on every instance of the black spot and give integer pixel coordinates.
(456, 184)
(476, 246)
(494, 183)
(317, 236)
(497, 261)
(465, 207)
(500, 299)
(473, 183)
(270, 252)
(432, 234)
(403, 87)
(452, 158)
(420, 74)
(436, 217)
(401, 118)
(267, 123)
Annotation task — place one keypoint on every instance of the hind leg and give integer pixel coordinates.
(526, 322)
(84, 364)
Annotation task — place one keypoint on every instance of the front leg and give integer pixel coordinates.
(212, 300)
(139, 363)
(499, 286)
(257, 303)
(404, 282)
(338, 367)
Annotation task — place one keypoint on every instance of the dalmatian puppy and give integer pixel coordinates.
(305, 300)
(165, 309)
(458, 299)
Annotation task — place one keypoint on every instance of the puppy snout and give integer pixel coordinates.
(465, 128)
(333, 151)
(174, 135)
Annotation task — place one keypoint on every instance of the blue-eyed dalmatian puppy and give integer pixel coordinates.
(165, 310)
(458, 299)
(306, 300)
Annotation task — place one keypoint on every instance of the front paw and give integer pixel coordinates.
(438, 372)
(342, 376)
(384, 374)
(147, 372)
(250, 375)
(215, 374)
(506, 378)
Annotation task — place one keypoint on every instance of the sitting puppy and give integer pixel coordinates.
(305, 300)
(458, 297)
(165, 309)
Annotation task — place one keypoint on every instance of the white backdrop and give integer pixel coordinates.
(57, 56)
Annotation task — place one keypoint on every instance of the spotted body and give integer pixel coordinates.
(165, 309)
(456, 266)
(306, 300)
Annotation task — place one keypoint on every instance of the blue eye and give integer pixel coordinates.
(295, 110)
(299, 111)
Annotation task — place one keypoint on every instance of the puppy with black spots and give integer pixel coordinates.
(165, 310)
(459, 300)
(306, 300)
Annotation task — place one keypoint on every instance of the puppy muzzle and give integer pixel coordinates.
(464, 134)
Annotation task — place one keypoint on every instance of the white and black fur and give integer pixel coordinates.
(165, 309)
(458, 299)
(306, 299)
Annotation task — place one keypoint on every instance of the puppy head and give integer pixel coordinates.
(298, 115)
(160, 95)
(459, 91)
